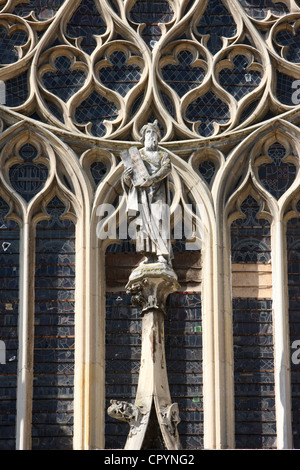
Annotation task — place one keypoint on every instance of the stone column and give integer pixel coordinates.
(152, 418)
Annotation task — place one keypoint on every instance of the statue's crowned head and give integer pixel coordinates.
(153, 126)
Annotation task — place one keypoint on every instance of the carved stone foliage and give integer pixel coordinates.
(134, 415)
(103, 69)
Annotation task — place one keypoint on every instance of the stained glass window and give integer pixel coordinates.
(98, 170)
(207, 170)
(258, 9)
(120, 76)
(28, 177)
(183, 336)
(95, 110)
(250, 236)
(284, 88)
(16, 90)
(86, 23)
(9, 313)
(8, 44)
(54, 347)
(151, 14)
(43, 9)
(216, 23)
(184, 76)
(293, 249)
(64, 82)
(277, 176)
(183, 346)
(123, 350)
(255, 418)
(208, 110)
(240, 81)
(291, 43)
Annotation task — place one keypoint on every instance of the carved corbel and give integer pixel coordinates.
(134, 415)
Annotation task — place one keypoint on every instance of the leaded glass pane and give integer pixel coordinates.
(52, 416)
(250, 236)
(239, 81)
(98, 170)
(291, 41)
(255, 419)
(277, 176)
(95, 110)
(216, 23)
(43, 9)
(183, 76)
(284, 88)
(120, 76)
(208, 109)
(183, 338)
(293, 250)
(16, 90)
(123, 350)
(207, 170)
(64, 82)
(8, 44)
(9, 309)
(28, 177)
(259, 9)
(86, 23)
(151, 14)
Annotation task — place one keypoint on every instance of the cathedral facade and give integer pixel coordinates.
(78, 81)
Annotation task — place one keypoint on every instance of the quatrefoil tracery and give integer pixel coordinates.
(102, 66)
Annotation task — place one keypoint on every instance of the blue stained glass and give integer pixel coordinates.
(64, 82)
(56, 208)
(293, 250)
(9, 307)
(44, 9)
(277, 176)
(258, 9)
(96, 109)
(207, 169)
(250, 236)
(239, 81)
(54, 341)
(291, 43)
(183, 343)
(98, 171)
(28, 178)
(255, 420)
(208, 109)
(8, 43)
(183, 76)
(86, 23)
(284, 88)
(151, 14)
(216, 22)
(16, 90)
(119, 76)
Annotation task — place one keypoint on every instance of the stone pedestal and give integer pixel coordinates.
(153, 418)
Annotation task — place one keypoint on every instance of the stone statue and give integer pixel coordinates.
(146, 182)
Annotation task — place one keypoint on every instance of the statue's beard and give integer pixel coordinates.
(151, 145)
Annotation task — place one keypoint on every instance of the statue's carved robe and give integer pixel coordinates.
(153, 204)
